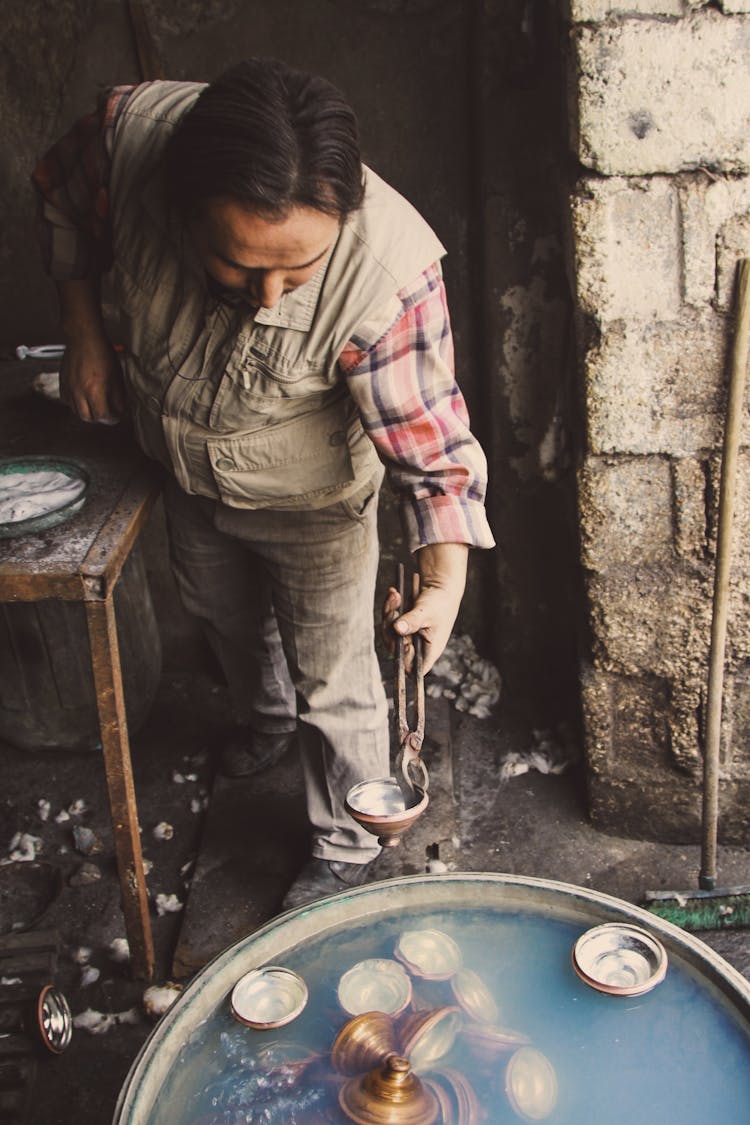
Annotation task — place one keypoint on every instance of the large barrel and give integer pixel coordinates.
(562, 1051)
(47, 698)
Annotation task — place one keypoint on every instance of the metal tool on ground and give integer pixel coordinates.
(709, 907)
(388, 806)
(35, 1019)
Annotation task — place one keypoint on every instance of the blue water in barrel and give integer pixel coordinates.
(679, 1053)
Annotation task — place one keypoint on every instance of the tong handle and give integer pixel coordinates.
(410, 740)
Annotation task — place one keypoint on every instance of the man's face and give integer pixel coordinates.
(258, 257)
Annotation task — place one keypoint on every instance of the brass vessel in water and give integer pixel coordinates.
(363, 1043)
(392, 1094)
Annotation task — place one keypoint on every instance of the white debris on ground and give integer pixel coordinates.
(96, 1023)
(181, 778)
(467, 679)
(550, 753)
(82, 955)
(24, 848)
(62, 817)
(43, 809)
(119, 950)
(199, 804)
(163, 831)
(167, 904)
(78, 807)
(89, 975)
(158, 998)
(436, 867)
(147, 865)
(48, 384)
(86, 841)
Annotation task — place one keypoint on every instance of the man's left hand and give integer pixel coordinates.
(442, 572)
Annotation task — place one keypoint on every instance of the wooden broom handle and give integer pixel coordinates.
(728, 489)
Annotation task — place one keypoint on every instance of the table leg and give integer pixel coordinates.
(105, 663)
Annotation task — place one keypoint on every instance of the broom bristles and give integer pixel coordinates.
(702, 911)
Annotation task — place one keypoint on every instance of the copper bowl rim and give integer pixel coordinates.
(272, 973)
(644, 940)
(407, 813)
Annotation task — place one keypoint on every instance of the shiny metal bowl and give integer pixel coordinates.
(268, 997)
(620, 959)
(379, 806)
(429, 1036)
(429, 953)
(474, 996)
(531, 1084)
(376, 984)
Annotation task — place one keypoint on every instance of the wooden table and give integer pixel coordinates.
(81, 560)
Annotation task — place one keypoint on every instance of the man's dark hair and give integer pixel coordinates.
(271, 138)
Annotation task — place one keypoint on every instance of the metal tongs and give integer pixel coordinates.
(411, 772)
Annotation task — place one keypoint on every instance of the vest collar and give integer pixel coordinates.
(297, 308)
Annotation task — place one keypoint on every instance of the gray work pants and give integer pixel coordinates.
(287, 601)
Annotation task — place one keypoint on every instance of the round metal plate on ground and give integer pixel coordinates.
(39, 492)
(268, 997)
(619, 959)
(54, 1020)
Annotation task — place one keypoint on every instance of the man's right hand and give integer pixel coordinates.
(91, 382)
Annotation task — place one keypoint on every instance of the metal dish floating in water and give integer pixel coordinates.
(474, 997)
(374, 985)
(269, 997)
(429, 1036)
(531, 1084)
(619, 959)
(37, 493)
(379, 806)
(429, 953)
(456, 1097)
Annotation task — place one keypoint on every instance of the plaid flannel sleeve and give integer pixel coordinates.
(71, 181)
(413, 411)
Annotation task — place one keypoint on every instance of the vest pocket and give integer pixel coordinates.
(286, 464)
(255, 401)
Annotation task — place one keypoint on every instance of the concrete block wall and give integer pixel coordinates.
(659, 216)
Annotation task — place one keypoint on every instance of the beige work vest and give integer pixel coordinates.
(249, 409)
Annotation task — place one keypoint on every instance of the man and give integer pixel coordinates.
(285, 336)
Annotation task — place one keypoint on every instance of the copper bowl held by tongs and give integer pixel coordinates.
(388, 806)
